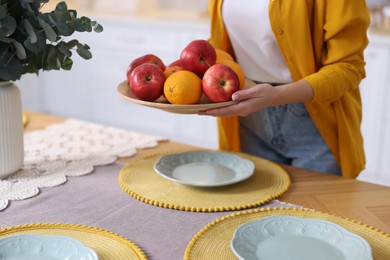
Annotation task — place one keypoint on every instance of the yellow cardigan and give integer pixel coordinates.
(322, 42)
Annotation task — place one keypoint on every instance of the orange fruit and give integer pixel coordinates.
(237, 68)
(183, 87)
(170, 70)
(223, 55)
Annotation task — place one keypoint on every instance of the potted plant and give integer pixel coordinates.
(31, 41)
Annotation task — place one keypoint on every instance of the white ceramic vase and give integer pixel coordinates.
(11, 129)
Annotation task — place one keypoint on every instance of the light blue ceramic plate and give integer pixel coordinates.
(44, 247)
(204, 169)
(293, 238)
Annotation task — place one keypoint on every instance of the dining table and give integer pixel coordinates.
(101, 201)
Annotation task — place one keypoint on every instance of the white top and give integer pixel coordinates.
(253, 41)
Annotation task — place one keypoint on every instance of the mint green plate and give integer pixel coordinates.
(294, 238)
(44, 247)
(204, 169)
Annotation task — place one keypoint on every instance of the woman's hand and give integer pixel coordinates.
(261, 96)
(249, 100)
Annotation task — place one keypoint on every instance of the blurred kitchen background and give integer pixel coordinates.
(133, 28)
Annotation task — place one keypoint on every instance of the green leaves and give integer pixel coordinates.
(97, 27)
(61, 7)
(14, 67)
(51, 35)
(19, 49)
(31, 41)
(58, 57)
(83, 51)
(30, 31)
(7, 23)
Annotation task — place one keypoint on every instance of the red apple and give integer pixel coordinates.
(148, 58)
(146, 81)
(198, 56)
(175, 63)
(220, 82)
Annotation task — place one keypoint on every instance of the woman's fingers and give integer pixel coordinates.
(242, 108)
(249, 100)
(252, 92)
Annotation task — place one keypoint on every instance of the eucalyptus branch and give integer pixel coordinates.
(31, 41)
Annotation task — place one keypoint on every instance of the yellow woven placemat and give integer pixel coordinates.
(213, 241)
(268, 182)
(106, 244)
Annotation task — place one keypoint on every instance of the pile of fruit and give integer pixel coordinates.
(201, 69)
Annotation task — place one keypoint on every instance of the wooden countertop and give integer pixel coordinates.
(361, 201)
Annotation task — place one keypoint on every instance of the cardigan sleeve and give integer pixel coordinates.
(345, 25)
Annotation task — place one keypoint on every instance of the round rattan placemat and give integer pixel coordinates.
(268, 182)
(213, 240)
(106, 244)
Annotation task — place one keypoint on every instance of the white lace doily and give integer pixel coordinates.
(72, 148)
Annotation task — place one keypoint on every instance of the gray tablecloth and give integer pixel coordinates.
(98, 200)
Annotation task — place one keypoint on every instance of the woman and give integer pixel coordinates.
(309, 56)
